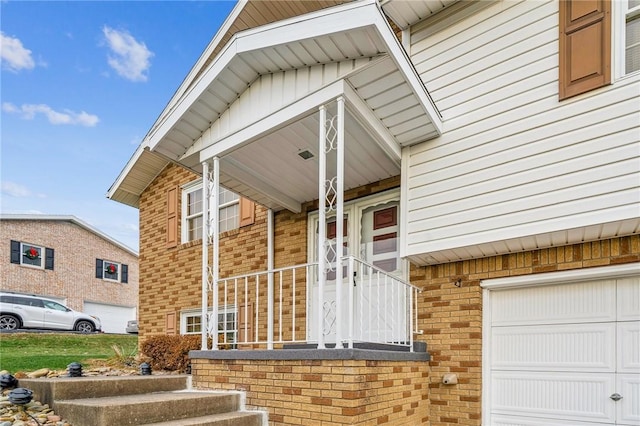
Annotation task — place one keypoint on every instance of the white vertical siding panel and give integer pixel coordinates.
(271, 92)
(513, 160)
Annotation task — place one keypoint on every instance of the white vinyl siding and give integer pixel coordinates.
(513, 160)
(269, 93)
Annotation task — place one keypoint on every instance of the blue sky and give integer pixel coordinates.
(81, 84)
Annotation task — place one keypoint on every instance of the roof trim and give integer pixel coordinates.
(74, 220)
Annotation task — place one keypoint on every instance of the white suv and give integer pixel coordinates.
(30, 311)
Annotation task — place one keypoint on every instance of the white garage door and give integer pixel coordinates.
(113, 317)
(563, 354)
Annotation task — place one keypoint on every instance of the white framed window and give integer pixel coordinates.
(32, 255)
(627, 36)
(111, 271)
(192, 211)
(191, 323)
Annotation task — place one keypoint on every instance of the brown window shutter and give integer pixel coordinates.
(585, 46)
(245, 329)
(172, 217)
(247, 212)
(170, 326)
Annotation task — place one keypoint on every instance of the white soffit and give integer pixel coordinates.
(561, 238)
(350, 31)
(405, 13)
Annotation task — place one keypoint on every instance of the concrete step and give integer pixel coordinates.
(238, 418)
(134, 410)
(48, 391)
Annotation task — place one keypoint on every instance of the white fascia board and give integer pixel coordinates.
(318, 24)
(183, 105)
(238, 172)
(273, 122)
(363, 113)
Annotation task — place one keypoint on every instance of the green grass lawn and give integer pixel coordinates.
(32, 351)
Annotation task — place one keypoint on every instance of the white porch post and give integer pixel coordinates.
(215, 229)
(322, 224)
(206, 239)
(210, 231)
(339, 188)
(270, 263)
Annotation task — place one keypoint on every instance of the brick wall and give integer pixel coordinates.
(327, 392)
(451, 316)
(73, 277)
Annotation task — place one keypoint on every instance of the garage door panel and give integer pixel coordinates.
(629, 343)
(570, 397)
(527, 421)
(629, 299)
(113, 317)
(574, 347)
(555, 304)
(629, 406)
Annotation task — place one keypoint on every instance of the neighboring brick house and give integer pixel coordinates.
(72, 262)
(487, 169)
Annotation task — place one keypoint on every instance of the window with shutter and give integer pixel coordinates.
(585, 46)
(230, 211)
(31, 255)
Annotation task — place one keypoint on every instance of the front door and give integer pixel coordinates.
(379, 309)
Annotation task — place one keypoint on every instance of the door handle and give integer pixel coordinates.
(616, 396)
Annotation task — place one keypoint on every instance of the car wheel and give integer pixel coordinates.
(9, 322)
(84, 327)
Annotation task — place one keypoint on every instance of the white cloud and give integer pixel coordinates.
(129, 58)
(29, 111)
(17, 190)
(14, 55)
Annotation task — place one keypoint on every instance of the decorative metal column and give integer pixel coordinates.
(331, 201)
(210, 231)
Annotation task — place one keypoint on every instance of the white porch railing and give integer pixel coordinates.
(272, 308)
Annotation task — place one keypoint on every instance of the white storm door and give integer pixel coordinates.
(381, 306)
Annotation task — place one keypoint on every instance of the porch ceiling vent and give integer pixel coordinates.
(306, 154)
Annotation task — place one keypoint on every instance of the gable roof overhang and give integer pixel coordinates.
(387, 107)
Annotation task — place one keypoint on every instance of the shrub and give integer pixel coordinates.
(170, 352)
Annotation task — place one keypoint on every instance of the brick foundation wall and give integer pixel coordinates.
(73, 277)
(451, 316)
(327, 392)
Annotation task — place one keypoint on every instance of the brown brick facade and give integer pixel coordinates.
(295, 392)
(324, 392)
(73, 277)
